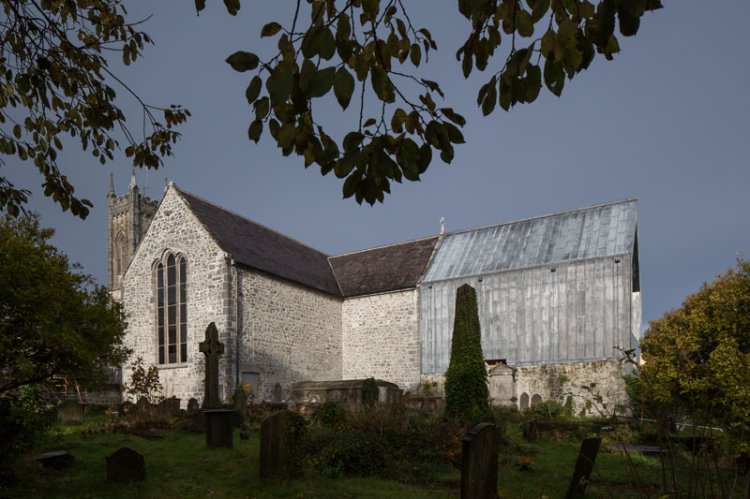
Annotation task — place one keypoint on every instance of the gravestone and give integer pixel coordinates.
(536, 401)
(281, 445)
(126, 408)
(70, 412)
(193, 406)
(276, 397)
(524, 402)
(55, 460)
(479, 463)
(168, 408)
(240, 401)
(144, 410)
(212, 348)
(218, 420)
(584, 467)
(125, 465)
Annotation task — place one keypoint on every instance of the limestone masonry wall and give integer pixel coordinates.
(380, 336)
(289, 333)
(175, 229)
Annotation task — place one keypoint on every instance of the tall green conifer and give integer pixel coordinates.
(466, 392)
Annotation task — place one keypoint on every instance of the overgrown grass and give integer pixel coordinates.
(180, 465)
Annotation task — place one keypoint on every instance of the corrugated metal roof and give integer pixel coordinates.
(592, 232)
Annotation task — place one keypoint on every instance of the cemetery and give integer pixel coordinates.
(364, 445)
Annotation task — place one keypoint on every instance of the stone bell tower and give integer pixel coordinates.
(129, 218)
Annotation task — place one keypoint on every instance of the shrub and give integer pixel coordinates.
(330, 415)
(466, 392)
(351, 453)
(25, 418)
(144, 383)
(549, 409)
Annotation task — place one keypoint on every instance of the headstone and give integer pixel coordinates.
(240, 401)
(530, 430)
(536, 401)
(281, 445)
(55, 460)
(524, 402)
(70, 412)
(584, 467)
(193, 406)
(276, 396)
(212, 348)
(168, 408)
(479, 463)
(219, 428)
(144, 410)
(125, 465)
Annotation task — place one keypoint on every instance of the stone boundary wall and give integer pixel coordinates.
(380, 337)
(288, 333)
(557, 381)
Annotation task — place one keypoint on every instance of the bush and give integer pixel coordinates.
(466, 392)
(330, 415)
(25, 418)
(351, 453)
(549, 409)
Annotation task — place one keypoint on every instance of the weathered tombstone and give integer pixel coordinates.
(479, 463)
(144, 410)
(530, 430)
(55, 460)
(584, 467)
(125, 465)
(218, 420)
(70, 412)
(276, 396)
(240, 401)
(212, 348)
(168, 408)
(536, 401)
(193, 406)
(280, 445)
(524, 402)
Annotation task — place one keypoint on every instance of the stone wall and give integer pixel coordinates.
(288, 333)
(175, 229)
(380, 337)
(556, 382)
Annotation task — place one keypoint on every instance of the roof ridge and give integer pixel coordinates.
(549, 215)
(409, 241)
(182, 191)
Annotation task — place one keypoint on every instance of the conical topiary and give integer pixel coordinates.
(466, 392)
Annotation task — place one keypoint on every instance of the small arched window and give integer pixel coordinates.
(171, 308)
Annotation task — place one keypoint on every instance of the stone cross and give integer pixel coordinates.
(212, 348)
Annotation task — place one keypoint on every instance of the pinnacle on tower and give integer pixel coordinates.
(133, 183)
(111, 192)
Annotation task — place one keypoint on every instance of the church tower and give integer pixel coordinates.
(129, 218)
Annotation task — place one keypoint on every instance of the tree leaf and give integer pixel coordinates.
(321, 82)
(256, 128)
(554, 77)
(243, 61)
(382, 85)
(343, 86)
(415, 54)
(524, 24)
(233, 6)
(270, 29)
(253, 89)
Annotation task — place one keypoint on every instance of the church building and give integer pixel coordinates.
(558, 297)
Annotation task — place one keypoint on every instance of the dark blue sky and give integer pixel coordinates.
(665, 122)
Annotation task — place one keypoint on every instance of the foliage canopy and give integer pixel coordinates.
(53, 320)
(55, 83)
(466, 392)
(697, 357)
(358, 48)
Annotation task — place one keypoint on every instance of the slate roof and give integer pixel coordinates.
(596, 231)
(388, 268)
(261, 248)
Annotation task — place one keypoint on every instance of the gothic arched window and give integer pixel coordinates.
(171, 308)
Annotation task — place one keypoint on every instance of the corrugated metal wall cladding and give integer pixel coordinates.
(587, 233)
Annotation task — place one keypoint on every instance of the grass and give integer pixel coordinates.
(180, 465)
